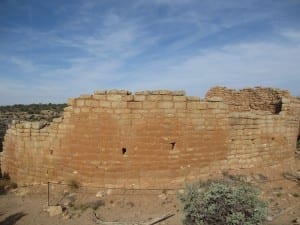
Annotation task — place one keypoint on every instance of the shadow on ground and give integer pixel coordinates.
(12, 219)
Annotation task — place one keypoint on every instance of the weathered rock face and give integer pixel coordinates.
(154, 138)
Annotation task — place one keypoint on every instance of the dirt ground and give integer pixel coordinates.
(29, 205)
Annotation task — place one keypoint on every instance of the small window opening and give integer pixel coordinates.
(123, 151)
(173, 145)
(51, 152)
(278, 107)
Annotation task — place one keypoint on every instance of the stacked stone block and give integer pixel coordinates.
(151, 139)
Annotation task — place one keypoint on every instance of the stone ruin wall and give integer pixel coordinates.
(155, 139)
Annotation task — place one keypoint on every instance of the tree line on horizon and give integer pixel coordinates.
(29, 112)
(32, 108)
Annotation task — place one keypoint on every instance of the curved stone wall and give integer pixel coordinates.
(152, 139)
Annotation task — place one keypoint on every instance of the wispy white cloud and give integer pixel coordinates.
(236, 66)
(24, 65)
(187, 45)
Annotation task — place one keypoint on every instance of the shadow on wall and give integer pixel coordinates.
(3, 128)
(12, 219)
(278, 107)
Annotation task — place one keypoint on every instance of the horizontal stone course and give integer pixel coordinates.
(155, 139)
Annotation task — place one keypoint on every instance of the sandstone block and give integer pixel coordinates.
(38, 125)
(167, 97)
(119, 104)
(179, 98)
(193, 98)
(149, 105)
(179, 93)
(67, 115)
(118, 92)
(128, 98)
(214, 99)
(165, 105)
(71, 101)
(57, 120)
(76, 110)
(139, 98)
(122, 110)
(25, 134)
(99, 97)
(27, 125)
(154, 97)
(92, 103)
(105, 104)
(285, 101)
(114, 97)
(165, 92)
(160, 92)
(180, 105)
(124, 122)
(134, 105)
(142, 93)
(193, 105)
(68, 109)
(79, 102)
(212, 105)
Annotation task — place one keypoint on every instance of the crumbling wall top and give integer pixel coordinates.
(248, 99)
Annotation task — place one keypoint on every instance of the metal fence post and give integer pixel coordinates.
(48, 193)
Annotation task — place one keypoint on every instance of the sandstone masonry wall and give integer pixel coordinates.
(153, 138)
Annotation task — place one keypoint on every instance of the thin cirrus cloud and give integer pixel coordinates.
(50, 51)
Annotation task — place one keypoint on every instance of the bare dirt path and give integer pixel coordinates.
(29, 205)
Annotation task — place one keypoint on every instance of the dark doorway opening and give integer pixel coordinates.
(173, 145)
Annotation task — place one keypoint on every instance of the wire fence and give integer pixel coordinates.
(56, 192)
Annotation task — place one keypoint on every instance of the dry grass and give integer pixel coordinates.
(6, 185)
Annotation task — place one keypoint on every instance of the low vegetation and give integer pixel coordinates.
(73, 184)
(33, 108)
(222, 203)
(93, 205)
(6, 184)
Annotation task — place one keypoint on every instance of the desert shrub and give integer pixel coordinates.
(73, 184)
(6, 184)
(222, 203)
(93, 205)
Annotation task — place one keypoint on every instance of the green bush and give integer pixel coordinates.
(222, 203)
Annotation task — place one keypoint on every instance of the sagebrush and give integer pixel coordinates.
(73, 184)
(223, 203)
(6, 184)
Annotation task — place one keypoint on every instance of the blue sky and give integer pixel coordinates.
(52, 50)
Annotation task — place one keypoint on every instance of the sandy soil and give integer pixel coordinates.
(29, 205)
